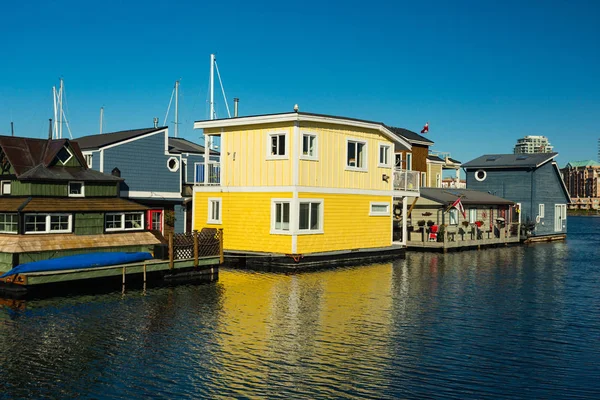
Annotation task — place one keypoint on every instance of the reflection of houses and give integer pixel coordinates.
(300, 183)
(53, 205)
(533, 181)
(581, 179)
(488, 220)
(156, 170)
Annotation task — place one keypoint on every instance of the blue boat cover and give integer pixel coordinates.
(80, 261)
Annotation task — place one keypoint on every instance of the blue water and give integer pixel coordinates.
(518, 322)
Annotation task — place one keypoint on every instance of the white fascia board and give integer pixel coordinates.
(143, 194)
(135, 138)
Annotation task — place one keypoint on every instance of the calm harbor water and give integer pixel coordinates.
(519, 323)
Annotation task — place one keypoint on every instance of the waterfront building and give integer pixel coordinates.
(533, 181)
(533, 144)
(581, 179)
(300, 183)
(159, 171)
(53, 205)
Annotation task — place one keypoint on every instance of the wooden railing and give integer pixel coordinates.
(194, 245)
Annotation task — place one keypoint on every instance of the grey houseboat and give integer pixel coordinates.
(533, 181)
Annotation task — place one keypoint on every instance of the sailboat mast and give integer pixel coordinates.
(101, 118)
(212, 86)
(55, 133)
(176, 108)
(60, 115)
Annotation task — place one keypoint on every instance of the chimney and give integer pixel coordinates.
(236, 101)
(50, 129)
(155, 122)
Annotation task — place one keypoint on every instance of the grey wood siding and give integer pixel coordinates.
(547, 190)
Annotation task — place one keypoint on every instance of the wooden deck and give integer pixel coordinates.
(453, 240)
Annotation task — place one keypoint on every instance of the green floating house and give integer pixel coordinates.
(52, 205)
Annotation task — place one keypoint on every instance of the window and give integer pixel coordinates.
(133, 221)
(9, 223)
(310, 216)
(453, 216)
(88, 160)
(5, 187)
(309, 146)
(277, 146)
(214, 210)
(64, 155)
(438, 180)
(384, 155)
(356, 155)
(409, 161)
(280, 216)
(398, 160)
(480, 175)
(541, 210)
(424, 179)
(472, 215)
(76, 189)
(173, 164)
(379, 209)
(47, 223)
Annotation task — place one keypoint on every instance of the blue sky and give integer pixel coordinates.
(483, 73)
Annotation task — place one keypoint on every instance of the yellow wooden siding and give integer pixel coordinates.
(432, 171)
(246, 221)
(244, 156)
(330, 169)
(347, 224)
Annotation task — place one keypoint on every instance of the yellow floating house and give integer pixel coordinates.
(300, 184)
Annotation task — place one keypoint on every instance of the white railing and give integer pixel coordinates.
(406, 180)
(213, 177)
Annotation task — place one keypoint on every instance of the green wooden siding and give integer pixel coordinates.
(19, 188)
(60, 189)
(100, 190)
(6, 262)
(89, 224)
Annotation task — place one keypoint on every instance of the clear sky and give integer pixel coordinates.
(483, 73)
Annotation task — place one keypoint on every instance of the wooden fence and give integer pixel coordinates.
(194, 245)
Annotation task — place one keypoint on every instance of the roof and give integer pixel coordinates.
(400, 141)
(93, 142)
(434, 158)
(411, 136)
(180, 145)
(469, 197)
(27, 153)
(510, 160)
(583, 163)
(41, 173)
(68, 204)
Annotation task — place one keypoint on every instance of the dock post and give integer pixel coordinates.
(195, 236)
(144, 272)
(171, 251)
(124, 269)
(221, 255)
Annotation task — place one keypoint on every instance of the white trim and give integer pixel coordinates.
(210, 220)
(71, 155)
(15, 223)
(297, 140)
(193, 210)
(365, 152)
(424, 182)
(184, 218)
(286, 154)
(2, 183)
(390, 153)
(101, 166)
(134, 139)
(314, 157)
(176, 167)
(299, 189)
(122, 214)
(223, 160)
(162, 195)
(469, 215)
(89, 154)
(482, 178)
(272, 228)
(541, 210)
(288, 117)
(399, 156)
(82, 194)
(409, 156)
(321, 203)
(294, 221)
(47, 223)
(378, 213)
(520, 211)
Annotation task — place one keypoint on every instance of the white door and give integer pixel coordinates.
(559, 214)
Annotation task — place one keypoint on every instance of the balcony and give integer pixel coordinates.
(212, 178)
(406, 180)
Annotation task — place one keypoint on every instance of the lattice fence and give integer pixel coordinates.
(208, 244)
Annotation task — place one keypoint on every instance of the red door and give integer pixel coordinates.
(155, 220)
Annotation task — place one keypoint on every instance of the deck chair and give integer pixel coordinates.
(433, 231)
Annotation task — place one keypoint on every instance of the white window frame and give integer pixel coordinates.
(3, 185)
(424, 179)
(483, 177)
(438, 180)
(82, 194)
(16, 223)
(385, 213)
(541, 210)
(68, 159)
(365, 153)
(315, 137)
(88, 159)
(281, 231)
(285, 156)
(519, 211)
(388, 155)
(453, 215)
(398, 164)
(176, 167)
(408, 162)
(321, 219)
(211, 202)
(48, 223)
(122, 228)
(472, 215)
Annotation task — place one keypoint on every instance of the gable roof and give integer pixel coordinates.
(94, 142)
(412, 137)
(469, 197)
(180, 145)
(510, 160)
(399, 141)
(25, 154)
(582, 163)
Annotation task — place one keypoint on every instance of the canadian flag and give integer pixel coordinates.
(458, 205)
(425, 128)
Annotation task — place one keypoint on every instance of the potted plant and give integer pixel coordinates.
(421, 223)
(430, 223)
